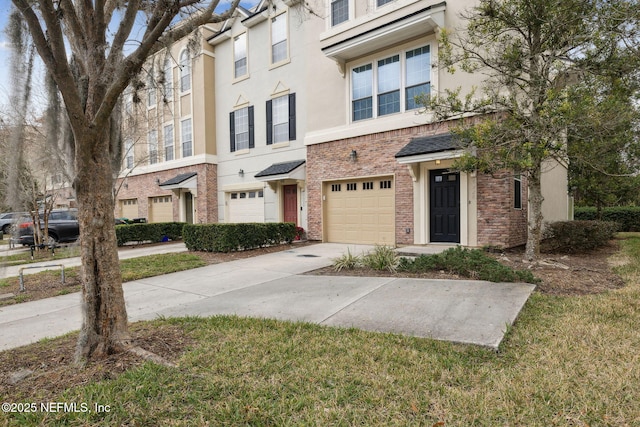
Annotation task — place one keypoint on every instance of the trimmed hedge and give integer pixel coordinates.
(628, 217)
(145, 232)
(577, 236)
(236, 237)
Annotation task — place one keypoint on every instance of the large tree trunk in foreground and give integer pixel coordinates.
(534, 187)
(104, 328)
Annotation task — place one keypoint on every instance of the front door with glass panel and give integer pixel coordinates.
(444, 206)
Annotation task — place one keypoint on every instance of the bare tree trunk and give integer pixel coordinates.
(104, 328)
(532, 250)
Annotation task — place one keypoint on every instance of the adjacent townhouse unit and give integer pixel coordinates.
(169, 169)
(306, 113)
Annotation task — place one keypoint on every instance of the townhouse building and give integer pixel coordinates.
(307, 113)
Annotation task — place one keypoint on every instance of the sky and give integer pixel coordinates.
(5, 51)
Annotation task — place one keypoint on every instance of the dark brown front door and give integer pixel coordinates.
(291, 203)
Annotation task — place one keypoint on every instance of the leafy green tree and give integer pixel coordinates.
(531, 52)
(84, 47)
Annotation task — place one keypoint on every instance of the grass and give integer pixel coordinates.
(24, 257)
(568, 361)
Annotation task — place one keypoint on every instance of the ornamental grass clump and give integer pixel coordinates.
(347, 261)
(382, 258)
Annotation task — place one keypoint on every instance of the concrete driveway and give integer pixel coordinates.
(274, 286)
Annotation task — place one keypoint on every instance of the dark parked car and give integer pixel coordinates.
(63, 227)
(8, 219)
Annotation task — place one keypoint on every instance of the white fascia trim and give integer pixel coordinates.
(191, 183)
(299, 174)
(242, 186)
(171, 164)
(441, 155)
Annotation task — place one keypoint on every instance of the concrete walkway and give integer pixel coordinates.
(274, 286)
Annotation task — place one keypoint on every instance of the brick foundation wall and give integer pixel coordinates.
(499, 224)
(142, 187)
(330, 161)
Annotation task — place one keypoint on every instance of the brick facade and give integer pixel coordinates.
(499, 223)
(376, 156)
(142, 187)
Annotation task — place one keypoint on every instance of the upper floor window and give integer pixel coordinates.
(151, 89)
(168, 80)
(185, 71)
(153, 146)
(339, 11)
(187, 138)
(382, 2)
(281, 119)
(128, 153)
(279, 38)
(168, 142)
(240, 55)
(241, 129)
(517, 192)
(390, 85)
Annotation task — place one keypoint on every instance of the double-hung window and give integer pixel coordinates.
(168, 142)
(339, 11)
(241, 129)
(185, 71)
(187, 138)
(382, 2)
(418, 72)
(128, 153)
(168, 80)
(151, 89)
(240, 55)
(279, 38)
(281, 119)
(153, 146)
(391, 84)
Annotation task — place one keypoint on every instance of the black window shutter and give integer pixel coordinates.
(232, 131)
(292, 117)
(252, 143)
(269, 123)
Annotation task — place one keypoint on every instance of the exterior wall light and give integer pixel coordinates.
(241, 172)
(353, 156)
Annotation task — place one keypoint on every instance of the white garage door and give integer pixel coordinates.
(246, 206)
(360, 211)
(160, 209)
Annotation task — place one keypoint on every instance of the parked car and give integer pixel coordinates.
(8, 219)
(62, 225)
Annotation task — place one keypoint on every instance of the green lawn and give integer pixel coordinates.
(568, 361)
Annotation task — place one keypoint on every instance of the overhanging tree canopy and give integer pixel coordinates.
(82, 45)
(531, 52)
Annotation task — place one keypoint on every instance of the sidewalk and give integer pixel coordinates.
(274, 286)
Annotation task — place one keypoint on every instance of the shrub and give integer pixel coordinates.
(628, 217)
(348, 261)
(149, 232)
(577, 236)
(236, 237)
(472, 263)
(382, 258)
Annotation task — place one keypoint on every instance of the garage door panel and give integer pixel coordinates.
(360, 211)
(246, 206)
(160, 209)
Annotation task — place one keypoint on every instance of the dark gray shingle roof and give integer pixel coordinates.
(429, 144)
(179, 178)
(280, 168)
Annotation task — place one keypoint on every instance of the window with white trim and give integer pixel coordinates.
(240, 55)
(168, 142)
(187, 138)
(281, 119)
(185, 71)
(128, 153)
(279, 38)
(168, 80)
(241, 129)
(390, 84)
(382, 2)
(153, 146)
(339, 11)
(151, 89)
